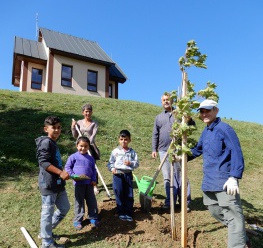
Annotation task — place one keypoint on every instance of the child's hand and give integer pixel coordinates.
(127, 162)
(114, 171)
(64, 175)
(96, 191)
(93, 183)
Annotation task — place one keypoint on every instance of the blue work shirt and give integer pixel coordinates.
(222, 155)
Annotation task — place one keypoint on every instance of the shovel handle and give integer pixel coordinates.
(77, 128)
(156, 173)
(101, 178)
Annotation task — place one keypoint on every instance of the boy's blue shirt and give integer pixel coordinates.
(48, 153)
(222, 155)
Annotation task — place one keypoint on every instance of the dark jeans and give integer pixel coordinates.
(123, 190)
(85, 192)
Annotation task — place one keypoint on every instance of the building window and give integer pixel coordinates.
(92, 80)
(110, 90)
(36, 80)
(66, 76)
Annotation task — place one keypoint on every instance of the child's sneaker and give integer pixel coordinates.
(54, 236)
(53, 245)
(122, 217)
(248, 243)
(129, 218)
(78, 226)
(94, 223)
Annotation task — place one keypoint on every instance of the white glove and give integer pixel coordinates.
(231, 186)
(177, 158)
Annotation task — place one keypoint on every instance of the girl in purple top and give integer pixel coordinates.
(82, 164)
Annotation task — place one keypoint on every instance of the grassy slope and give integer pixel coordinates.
(22, 116)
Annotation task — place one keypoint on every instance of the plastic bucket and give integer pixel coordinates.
(144, 184)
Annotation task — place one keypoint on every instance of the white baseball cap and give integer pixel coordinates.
(207, 104)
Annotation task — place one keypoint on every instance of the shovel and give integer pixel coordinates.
(79, 177)
(145, 199)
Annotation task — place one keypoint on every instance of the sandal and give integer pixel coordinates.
(77, 226)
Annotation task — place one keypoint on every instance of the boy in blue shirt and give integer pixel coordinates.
(123, 160)
(51, 181)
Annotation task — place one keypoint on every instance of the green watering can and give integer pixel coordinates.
(144, 183)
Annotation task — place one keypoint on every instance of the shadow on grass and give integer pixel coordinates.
(196, 203)
(198, 232)
(18, 130)
(253, 215)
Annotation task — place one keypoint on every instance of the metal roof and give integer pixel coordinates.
(81, 47)
(116, 72)
(29, 48)
(68, 44)
(75, 45)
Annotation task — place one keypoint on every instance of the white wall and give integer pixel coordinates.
(113, 88)
(46, 78)
(21, 75)
(79, 79)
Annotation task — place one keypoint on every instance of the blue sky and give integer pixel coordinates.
(146, 39)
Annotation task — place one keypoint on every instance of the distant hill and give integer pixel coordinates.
(22, 115)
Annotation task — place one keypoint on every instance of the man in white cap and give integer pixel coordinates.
(223, 165)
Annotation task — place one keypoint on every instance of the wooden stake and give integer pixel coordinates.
(173, 227)
(29, 239)
(184, 176)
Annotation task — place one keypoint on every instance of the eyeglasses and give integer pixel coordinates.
(204, 111)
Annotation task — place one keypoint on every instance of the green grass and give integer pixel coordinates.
(21, 121)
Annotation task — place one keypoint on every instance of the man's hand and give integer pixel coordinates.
(231, 186)
(177, 159)
(64, 175)
(154, 155)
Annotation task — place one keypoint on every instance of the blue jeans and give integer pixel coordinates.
(51, 218)
(123, 190)
(166, 170)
